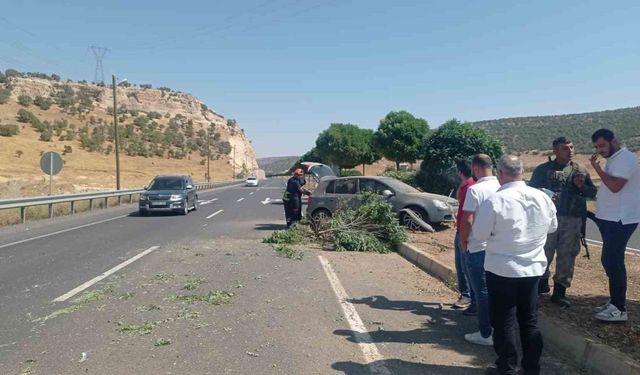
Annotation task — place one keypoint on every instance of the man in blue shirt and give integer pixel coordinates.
(292, 198)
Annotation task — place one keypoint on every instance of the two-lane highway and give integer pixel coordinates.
(46, 260)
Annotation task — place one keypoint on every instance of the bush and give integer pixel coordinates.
(67, 150)
(154, 115)
(46, 135)
(349, 172)
(42, 102)
(26, 117)
(9, 130)
(25, 100)
(5, 94)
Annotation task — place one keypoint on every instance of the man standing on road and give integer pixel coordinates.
(515, 222)
(570, 186)
(618, 215)
(292, 198)
(466, 294)
(474, 248)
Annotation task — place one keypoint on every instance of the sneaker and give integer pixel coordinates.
(476, 338)
(462, 302)
(612, 314)
(470, 311)
(602, 307)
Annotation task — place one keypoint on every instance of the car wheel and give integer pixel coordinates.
(320, 214)
(185, 210)
(196, 205)
(142, 212)
(407, 220)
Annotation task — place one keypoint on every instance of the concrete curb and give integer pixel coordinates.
(593, 357)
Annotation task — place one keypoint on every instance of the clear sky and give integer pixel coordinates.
(287, 69)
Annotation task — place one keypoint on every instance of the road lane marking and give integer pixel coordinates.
(266, 201)
(61, 231)
(214, 214)
(253, 192)
(108, 273)
(204, 203)
(240, 200)
(372, 356)
(630, 250)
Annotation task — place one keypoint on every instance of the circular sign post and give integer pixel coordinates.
(51, 164)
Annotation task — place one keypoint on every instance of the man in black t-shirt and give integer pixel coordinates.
(292, 198)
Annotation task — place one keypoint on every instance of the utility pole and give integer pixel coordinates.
(115, 126)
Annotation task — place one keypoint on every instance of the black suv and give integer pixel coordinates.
(169, 194)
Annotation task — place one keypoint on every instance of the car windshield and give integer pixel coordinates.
(400, 186)
(167, 184)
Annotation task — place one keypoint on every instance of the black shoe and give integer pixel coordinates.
(559, 296)
(543, 286)
(493, 370)
(470, 311)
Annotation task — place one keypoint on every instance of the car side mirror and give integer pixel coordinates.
(388, 194)
(189, 187)
(146, 188)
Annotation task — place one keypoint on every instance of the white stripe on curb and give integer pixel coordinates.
(371, 354)
(214, 214)
(108, 273)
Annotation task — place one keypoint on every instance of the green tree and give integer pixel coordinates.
(9, 130)
(400, 137)
(449, 143)
(344, 145)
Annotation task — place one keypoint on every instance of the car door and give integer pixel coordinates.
(346, 193)
(191, 193)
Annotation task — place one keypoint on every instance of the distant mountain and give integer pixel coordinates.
(537, 132)
(275, 165)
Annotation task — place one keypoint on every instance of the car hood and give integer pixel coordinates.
(162, 192)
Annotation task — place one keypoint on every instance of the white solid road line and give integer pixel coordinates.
(371, 354)
(61, 231)
(108, 273)
(629, 249)
(240, 200)
(214, 214)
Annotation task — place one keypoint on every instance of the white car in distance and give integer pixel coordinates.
(251, 181)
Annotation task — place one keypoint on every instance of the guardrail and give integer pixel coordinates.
(50, 200)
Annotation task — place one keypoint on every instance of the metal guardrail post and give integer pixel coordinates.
(73, 207)
(90, 204)
(23, 214)
(50, 210)
(119, 199)
(106, 202)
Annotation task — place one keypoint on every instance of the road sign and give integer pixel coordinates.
(51, 164)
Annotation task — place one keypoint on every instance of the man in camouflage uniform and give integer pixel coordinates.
(569, 185)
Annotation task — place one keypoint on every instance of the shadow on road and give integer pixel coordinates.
(270, 227)
(400, 367)
(442, 328)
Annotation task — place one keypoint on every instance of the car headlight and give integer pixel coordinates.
(176, 197)
(440, 205)
(143, 197)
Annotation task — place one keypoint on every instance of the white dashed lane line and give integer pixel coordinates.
(214, 214)
(240, 200)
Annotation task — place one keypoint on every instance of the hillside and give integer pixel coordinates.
(161, 131)
(537, 133)
(276, 165)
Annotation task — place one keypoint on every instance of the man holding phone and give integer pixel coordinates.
(618, 215)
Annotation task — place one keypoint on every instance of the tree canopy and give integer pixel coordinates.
(400, 137)
(345, 145)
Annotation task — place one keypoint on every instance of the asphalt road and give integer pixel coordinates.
(329, 313)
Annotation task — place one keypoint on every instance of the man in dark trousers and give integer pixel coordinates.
(569, 185)
(515, 222)
(292, 198)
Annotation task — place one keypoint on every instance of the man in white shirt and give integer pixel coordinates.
(474, 250)
(618, 215)
(515, 222)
